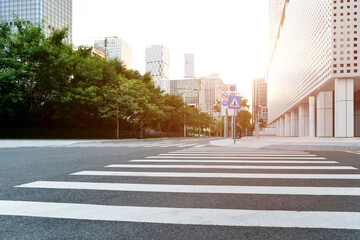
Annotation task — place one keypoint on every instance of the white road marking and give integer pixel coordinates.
(235, 155)
(283, 190)
(197, 216)
(170, 145)
(198, 146)
(274, 158)
(231, 161)
(186, 145)
(218, 175)
(219, 152)
(232, 167)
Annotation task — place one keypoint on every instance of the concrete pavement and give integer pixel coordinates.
(291, 143)
(262, 142)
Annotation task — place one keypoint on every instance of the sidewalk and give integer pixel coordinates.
(291, 143)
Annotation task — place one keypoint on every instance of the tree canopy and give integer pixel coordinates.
(46, 83)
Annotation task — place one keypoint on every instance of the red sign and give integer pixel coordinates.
(225, 96)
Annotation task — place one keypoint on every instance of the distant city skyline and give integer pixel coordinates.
(229, 38)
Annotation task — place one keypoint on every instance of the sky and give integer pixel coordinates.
(229, 37)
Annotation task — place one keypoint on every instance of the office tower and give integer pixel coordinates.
(56, 14)
(157, 63)
(259, 99)
(202, 92)
(314, 70)
(116, 48)
(98, 53)
(189, 66)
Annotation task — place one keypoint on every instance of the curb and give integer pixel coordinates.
(312, 147)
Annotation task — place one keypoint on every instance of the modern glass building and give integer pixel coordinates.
(313, 74)
(157, 63)
(117, 48)
(200, 92)
(189, 66)
(56, 14)
(259, 99)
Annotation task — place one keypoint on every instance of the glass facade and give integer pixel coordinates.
(117, 48)
(157, 63)
(56, 14)
(199, 92)
(189, 66)
(259, 98)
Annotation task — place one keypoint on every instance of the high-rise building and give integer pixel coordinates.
(189, 66)
(116, 48)
(98, 52)
(200, 92)
(259, 99)
(56, 14)
(157, 63)
(313, 74)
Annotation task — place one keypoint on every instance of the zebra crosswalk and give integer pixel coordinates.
(205, 168)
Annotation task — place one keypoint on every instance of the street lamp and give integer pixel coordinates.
(106, 44)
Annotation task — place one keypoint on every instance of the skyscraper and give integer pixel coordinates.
(259, 99)
(314, 72)
(56, 14)
(157, 63)
(116, 48)
(189, 66)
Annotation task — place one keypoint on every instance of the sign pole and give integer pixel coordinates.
(226, 125)
(234, 103)
(234, 126)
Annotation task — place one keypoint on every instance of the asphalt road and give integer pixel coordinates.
(164, 194)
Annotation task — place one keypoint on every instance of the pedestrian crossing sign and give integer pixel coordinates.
(234, 102)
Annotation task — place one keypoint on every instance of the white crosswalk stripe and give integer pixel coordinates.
(226, 157)
(197, 165)
(354, 152)
(171, 188)
(229, 161)
(217, 175)
(198, 216)
(233, 167)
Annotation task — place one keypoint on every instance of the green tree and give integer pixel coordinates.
(174, 112)
(262, 124)
(219, 125)
(217, 107)
(119, 101)
(44, 82)
(243, 118)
